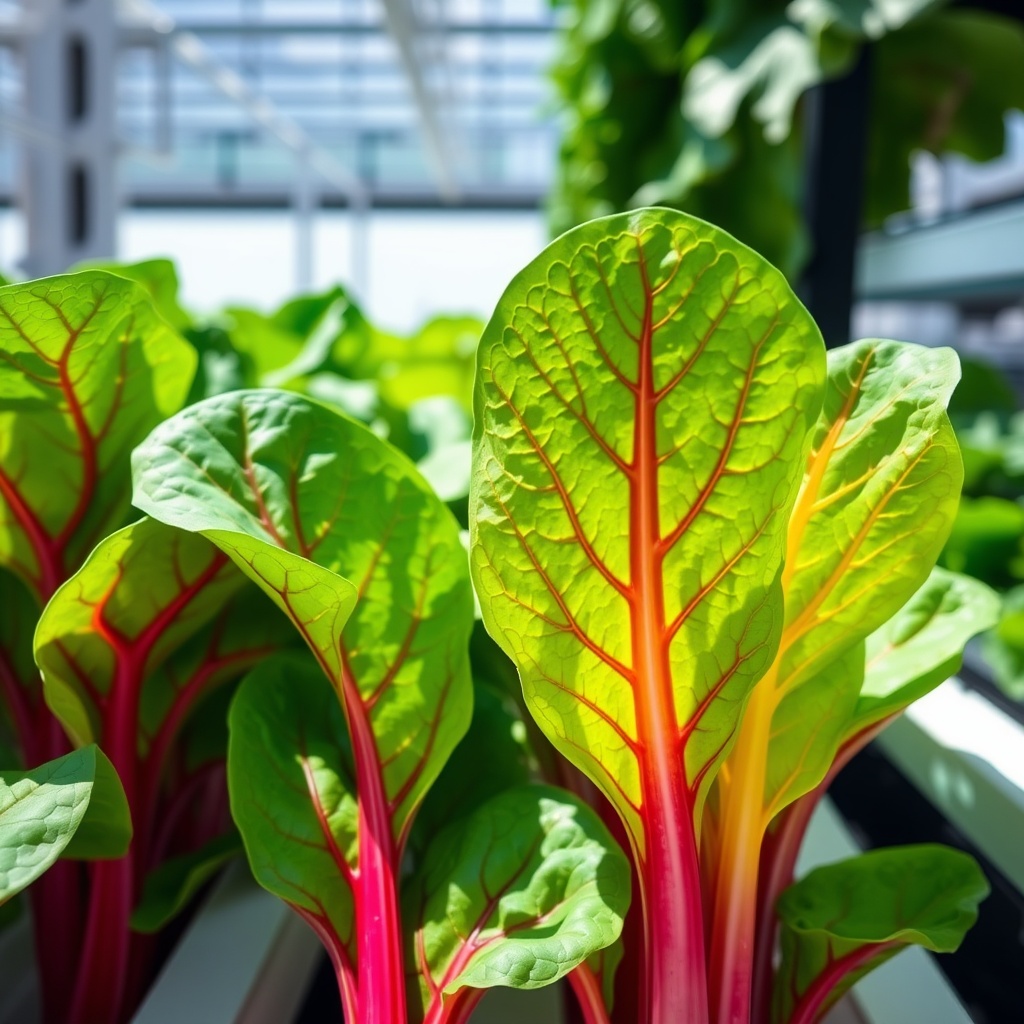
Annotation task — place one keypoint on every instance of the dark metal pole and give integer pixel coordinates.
(836, 124)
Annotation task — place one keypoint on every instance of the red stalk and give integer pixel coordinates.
(380, 965)
(669, 875)
(587, 987)
(810, 1005)
(457, 1009)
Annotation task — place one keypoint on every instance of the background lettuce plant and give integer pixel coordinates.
(685, 527)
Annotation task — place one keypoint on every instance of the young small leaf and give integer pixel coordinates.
(517, 894)
(88, 369)
(39, 812)
(844, 919)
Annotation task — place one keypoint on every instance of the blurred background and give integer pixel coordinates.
(330, 195)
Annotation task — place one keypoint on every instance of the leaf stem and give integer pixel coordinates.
(742, 830)
(812, 1002)
(380, 962)
(587, 988)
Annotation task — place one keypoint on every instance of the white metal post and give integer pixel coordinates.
(69, 188)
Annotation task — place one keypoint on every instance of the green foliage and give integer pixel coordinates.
(517, 894)
(698, 105)
(171, 886)
(858, 913)
(71, 807)
(685, 534)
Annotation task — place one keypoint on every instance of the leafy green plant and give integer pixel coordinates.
(685, 527)
(707, 551)
(129, 639)
(698, 105)
(328, 763)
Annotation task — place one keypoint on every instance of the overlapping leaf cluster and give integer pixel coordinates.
(710, 553)
(707, 552)
(125, 633)
(697, 105)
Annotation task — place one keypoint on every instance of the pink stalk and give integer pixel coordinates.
(587, 987)
(809, 1007)
(381, 969)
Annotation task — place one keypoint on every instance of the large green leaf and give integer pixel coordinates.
(304, 499)
(159, 278)
(645, 390)
(141, 593)
(844, 919)
(645, 393)
(87, 369)
(39, 813)
(518, 894)
(290, 776)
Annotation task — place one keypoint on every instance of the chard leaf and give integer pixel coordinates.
(39, 813)
(87, 369)
(290, 777)
(878, 500)
(154, 619)
(844, 919)
(644, 394)
(877, 503)
(105, 833)
(518, 894)
(168, 889)
(922, 645)
(297, 495)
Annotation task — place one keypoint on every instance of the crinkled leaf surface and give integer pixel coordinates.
(292, 793)
(159, 278)
(39, 812)
(304, 500)
(922, 644)
(87, 369)
(844, 919)
(517, 894)
(644, 394)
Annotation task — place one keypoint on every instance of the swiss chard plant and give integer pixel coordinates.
(708, 550)
(133, 625)
(330, 757)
